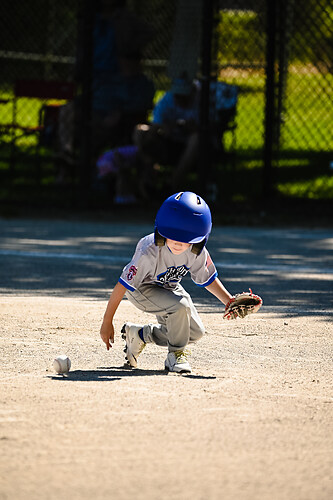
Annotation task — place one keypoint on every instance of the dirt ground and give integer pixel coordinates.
(252, 421)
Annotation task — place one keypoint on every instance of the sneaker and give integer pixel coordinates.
(177, 362)
(134, 345)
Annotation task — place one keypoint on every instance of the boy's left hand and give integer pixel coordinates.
(242, 304)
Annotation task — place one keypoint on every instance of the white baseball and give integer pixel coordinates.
(62, 364)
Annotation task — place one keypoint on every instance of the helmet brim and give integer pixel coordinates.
(180, 235)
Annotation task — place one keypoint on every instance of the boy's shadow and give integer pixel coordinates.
(113, 373)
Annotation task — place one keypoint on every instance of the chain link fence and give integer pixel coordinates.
(277, 53)
(38, 40)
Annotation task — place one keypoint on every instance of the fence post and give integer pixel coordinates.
(85, 153)
(204, 157)
(271, 33)
(285, 18)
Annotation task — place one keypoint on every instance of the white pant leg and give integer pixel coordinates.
(178, 319)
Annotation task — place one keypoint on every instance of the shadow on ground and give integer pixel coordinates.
(116, 373)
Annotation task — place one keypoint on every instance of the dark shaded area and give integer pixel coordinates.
(275, 51)
(292, 269)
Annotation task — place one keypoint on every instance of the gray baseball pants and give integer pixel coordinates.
(178, 320)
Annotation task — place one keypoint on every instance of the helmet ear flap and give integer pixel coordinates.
(158, 239)
(197, 247)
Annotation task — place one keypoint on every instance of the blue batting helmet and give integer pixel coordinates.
(184, 217)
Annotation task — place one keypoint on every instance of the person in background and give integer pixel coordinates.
(122, 95)
(173, 136)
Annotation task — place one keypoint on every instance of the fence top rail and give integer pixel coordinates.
(45, 89)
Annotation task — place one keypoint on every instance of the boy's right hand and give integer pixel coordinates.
(107, 334)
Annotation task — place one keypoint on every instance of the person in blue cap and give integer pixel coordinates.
(173, 136)
(152, 282)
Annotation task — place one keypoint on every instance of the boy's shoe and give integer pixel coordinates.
(134, 344)
(177, 362)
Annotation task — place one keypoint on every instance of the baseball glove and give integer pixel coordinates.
(242, 304)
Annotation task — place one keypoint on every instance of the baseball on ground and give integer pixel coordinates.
(62, 364)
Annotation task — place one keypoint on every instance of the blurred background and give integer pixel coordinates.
(78, 76)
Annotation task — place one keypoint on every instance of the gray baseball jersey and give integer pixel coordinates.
(157, 265)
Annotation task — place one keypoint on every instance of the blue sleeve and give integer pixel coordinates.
(163, 106)
(126, 285)
(208, 282)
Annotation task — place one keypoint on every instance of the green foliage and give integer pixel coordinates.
(312, 35)
(240, 37)
(316, 189)
(241, 34)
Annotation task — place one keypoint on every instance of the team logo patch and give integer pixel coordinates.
(172, 274)
(209, 260)
(131, 273)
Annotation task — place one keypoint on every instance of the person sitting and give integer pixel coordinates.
(173, 136)
(115, 174)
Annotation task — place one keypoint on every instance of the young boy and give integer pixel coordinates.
(151, 282)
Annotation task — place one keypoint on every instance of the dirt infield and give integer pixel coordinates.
(253, 420)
